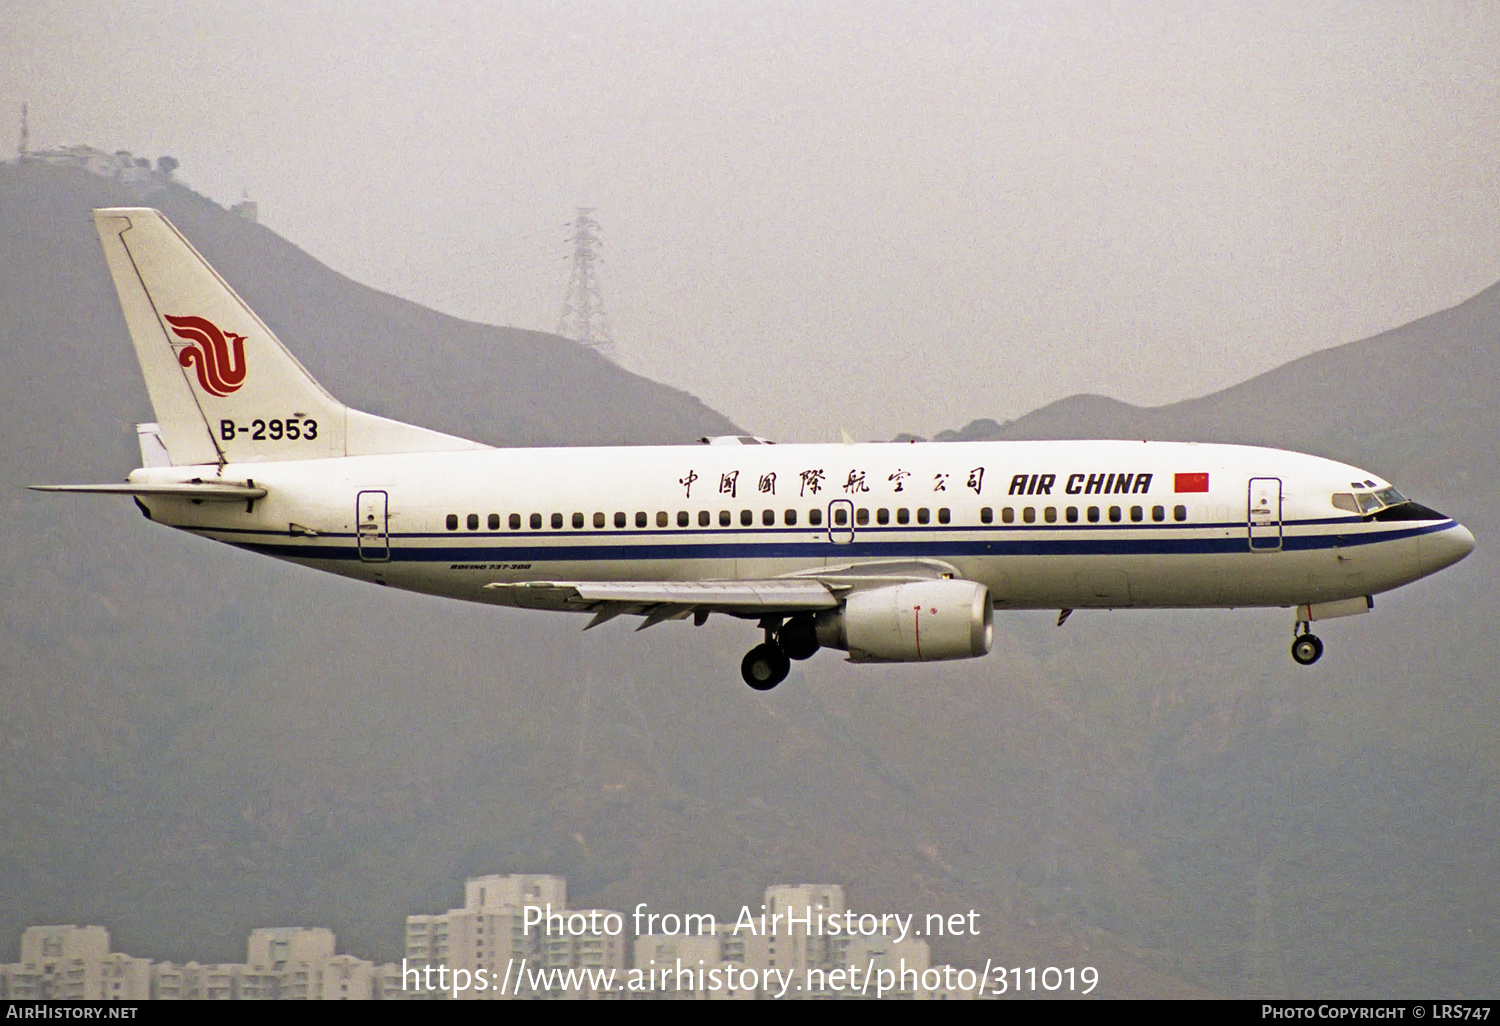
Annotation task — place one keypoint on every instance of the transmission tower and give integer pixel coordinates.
(25, 133)
(583, 318)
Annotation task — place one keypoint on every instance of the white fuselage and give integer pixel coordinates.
(1041, 524)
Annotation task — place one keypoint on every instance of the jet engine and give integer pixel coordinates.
(907, 623)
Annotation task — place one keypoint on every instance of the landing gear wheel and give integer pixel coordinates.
(1307, 649)
(764, 667)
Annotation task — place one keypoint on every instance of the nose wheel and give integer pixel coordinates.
(1306, 648)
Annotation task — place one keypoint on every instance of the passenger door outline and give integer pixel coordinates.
(1263, 514)
(841, 533)
(372, 528)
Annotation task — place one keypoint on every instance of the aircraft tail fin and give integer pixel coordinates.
(224, 388)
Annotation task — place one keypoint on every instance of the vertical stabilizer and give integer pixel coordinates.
(224, 388)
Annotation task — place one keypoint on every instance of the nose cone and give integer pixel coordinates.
(1444, 548)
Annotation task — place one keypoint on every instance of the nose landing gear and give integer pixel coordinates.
(1306, 647)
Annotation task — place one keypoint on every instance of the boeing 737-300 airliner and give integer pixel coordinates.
(889, 552)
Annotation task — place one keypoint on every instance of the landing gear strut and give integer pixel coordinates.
(1306, 648)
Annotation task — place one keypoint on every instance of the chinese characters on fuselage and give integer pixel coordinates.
(856, 482)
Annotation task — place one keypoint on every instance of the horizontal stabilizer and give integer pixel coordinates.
(203, 491)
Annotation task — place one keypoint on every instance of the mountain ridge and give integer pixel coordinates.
(540, 389)
(1338, 402)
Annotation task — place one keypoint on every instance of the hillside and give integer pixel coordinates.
(196, 741)
(1416, 403)
(65, 336)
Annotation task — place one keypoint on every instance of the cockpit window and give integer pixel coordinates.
(1367, 503)
(1383, 504)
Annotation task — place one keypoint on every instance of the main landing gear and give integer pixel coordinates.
(1306, 648)
(767, 665)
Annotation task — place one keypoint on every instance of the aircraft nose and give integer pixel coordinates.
(1445, 547)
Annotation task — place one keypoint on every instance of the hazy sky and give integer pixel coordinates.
(821, 215)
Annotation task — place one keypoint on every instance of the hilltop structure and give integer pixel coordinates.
(121, 166)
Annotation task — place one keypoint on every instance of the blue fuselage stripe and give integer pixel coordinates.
(993, 542)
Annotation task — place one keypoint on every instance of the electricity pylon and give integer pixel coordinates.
(583, 318)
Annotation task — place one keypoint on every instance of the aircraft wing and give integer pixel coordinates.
(671, 600)
(657, 601)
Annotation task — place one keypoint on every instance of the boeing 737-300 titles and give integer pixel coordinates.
(889, 552)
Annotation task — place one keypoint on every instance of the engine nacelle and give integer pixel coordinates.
(908, 623)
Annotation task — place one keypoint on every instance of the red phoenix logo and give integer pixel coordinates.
(220, 370)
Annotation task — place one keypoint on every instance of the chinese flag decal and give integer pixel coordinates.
(1190, 483)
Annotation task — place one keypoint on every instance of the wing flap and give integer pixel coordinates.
(609, 599)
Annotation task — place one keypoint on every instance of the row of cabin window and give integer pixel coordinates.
(815, 517)
(1093, 513)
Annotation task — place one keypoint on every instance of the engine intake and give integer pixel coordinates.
(908, 623)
